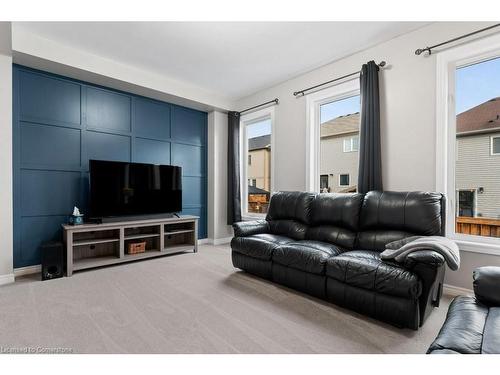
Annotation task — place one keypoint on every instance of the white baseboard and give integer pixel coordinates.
(7, 279)
(21, 271)
(456, 291)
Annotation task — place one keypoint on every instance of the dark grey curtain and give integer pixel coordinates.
(370, 164)
(233, 168)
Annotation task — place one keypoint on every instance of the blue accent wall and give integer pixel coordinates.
(60, 123)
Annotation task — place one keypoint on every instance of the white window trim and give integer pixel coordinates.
(248, 119)
(350, 141)
(313, 102)
(446, 64)
(491, 145)
(348, 176)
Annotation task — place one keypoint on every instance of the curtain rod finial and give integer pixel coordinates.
(419, 51)
(382, 64)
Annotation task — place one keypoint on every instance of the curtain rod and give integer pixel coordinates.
(429, 49)
(275, 101)
(303, 91)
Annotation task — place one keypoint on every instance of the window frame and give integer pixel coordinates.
(446, 64)
(245, 120)
(350, 140)
(492, 153)
(348, 179)
(314, 101)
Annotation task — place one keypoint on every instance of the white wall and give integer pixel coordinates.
(6, 229)
(408, 113)
(218, 230)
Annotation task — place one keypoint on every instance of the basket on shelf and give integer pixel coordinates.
(136, 247)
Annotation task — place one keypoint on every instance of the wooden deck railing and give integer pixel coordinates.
(478, 226)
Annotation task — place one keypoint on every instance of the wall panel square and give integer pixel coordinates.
(193, 191)
(107, 110)
(49, 192)
(50, 146)
(188, 125)
(150, 151)
(190, 158)
(152, 119)
(48, 100)
(34, 231)
(103, 146)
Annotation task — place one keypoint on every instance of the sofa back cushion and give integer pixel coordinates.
(390, 216)
(335, 218)
(289, 213)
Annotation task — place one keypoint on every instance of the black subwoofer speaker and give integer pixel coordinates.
(52, 260)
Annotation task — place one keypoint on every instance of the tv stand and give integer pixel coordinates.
(96, 245)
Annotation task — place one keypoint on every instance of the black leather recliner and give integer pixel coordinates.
(328, 245)
(472, 324)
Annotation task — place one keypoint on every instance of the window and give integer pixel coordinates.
(256, 141)
(466, 199)
(332, 137)
(351, 144)
(477, 95)
(343, 180)
(323, 184)
(468, 166)
(495, 145)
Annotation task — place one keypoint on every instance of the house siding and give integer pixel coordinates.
(334, 162)
(260, 168)
(475, 168)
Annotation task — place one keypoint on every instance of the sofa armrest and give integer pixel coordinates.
(486, 285)
(248, 228)
(427, 257)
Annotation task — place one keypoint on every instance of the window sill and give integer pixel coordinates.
(477, 247)
(253, 217)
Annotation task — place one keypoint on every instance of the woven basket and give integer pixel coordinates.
(136, 247)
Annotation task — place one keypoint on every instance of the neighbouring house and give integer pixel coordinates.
(259, 173)
(478, 170)
(339, 154)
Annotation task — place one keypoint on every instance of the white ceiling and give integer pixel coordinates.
(233, 59)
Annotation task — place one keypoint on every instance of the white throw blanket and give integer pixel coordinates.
(399, 250)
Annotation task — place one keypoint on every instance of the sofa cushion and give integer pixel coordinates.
(258, 246)
(308, 256)
(335, 235)
(335, 209)
(390, 216)
(290, 205)
(462, 331)
(288, 228)
(364, 269)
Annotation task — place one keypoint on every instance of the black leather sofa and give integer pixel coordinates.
(328, 245)
(472, 325)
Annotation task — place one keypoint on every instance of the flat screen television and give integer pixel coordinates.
(129, 189)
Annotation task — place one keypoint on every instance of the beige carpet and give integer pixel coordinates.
(190, 303)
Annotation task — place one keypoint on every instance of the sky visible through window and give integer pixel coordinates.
(476, 84)
(259, 128)
(339, 108)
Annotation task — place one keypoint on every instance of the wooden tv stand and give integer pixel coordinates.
(96, 245)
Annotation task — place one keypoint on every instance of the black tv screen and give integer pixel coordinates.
(119, 189)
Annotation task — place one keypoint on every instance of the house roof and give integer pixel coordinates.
(341, 125)
(256, 143)
(483, 117)
(255, 190)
